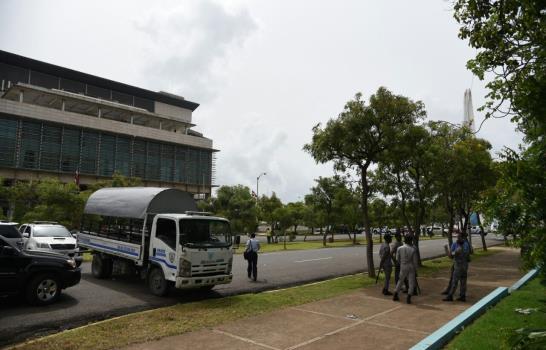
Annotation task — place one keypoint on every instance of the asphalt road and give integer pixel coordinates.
(93, 300)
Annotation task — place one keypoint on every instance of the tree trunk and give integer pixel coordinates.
(450, 229)
(284, 233)
(366, 219)
(484, 245)
(325, 235)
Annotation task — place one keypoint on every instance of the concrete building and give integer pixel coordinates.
(57, 122)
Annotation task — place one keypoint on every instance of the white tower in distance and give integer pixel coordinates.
(468, 111)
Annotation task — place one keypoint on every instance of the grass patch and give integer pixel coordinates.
(299, 245)
(435, 265)
(496, 327)
(182, 318)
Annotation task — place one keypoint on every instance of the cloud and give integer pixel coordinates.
(187, 46)
(249, 151)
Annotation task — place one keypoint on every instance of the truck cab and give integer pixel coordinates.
(192, 250)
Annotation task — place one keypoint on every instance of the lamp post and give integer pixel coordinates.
(257, 185)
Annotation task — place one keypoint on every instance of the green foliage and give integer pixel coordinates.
(237, 205)
(359, 136)
(266, 209)
(510, 36)
(496, 329)
(117, 180)
(48, 200)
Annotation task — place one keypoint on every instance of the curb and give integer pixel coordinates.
(531, 274)
(441, 336)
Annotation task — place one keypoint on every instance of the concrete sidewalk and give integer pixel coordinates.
(359, 320)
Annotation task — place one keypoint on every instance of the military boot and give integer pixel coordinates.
(408, 299)
(395, 297)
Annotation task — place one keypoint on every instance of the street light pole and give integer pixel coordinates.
(257, 185)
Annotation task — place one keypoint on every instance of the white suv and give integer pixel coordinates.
(50, 236)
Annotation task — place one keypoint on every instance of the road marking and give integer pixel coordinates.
(244, 339)
(300, 261)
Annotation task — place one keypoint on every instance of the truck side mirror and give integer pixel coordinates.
(25, 235)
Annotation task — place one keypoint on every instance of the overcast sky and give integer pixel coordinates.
(264, 72)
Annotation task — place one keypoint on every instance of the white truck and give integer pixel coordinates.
(158, 233)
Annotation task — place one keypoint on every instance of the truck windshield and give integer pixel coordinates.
(204, 233)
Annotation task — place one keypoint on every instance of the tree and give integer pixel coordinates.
(473, 175)
(237, 205)
(266, 208)
(358, 138)
(378, 214)
(48, 200)
(285, 219)
(297, 210)
(313, 217)
(117, 180)
(407, 174)
(510, 37)
(325, 197)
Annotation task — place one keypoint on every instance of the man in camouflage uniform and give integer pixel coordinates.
(407, 257)
(459, 252)
(386, 262)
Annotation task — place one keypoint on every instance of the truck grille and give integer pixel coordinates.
(63, 246)
(208, 270)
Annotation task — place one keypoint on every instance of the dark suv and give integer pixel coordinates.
(39, 276)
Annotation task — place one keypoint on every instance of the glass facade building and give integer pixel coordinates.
(56, 121)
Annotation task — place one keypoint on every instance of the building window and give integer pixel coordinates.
(153, 163)
(8, 145)
(51, 147)
(180, 164)
(70, 153)
(167, 160)
(123, 156)
(90, 143)
(107, 155)
(30, 145)
(139, 159)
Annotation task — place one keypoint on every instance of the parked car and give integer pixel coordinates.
(39, 276)
(51, 237)
(475, 230)
(9, 231)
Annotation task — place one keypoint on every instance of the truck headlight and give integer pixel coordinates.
(185, 268)
(43, 245)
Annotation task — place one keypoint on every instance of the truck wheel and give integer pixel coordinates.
(157, 283)
(43, 289)
(101, 267)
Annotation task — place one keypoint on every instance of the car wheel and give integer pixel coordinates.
(101, 267)
(43, 289)
(157, 283)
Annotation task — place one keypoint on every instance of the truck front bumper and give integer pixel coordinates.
(201, 281)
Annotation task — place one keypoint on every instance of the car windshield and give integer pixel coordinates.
(51, 231)
(205, 233)
(9, 231)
